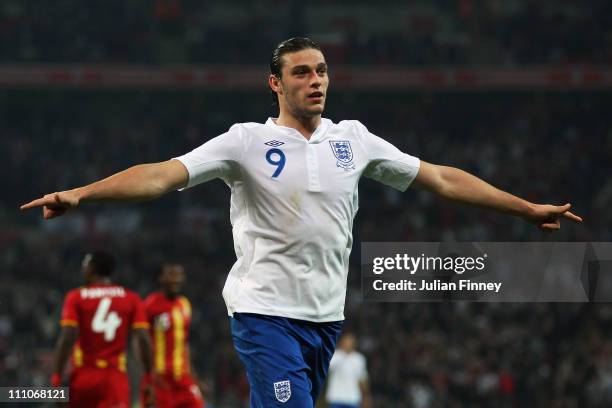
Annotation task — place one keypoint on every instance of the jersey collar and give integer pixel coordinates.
(317, 135)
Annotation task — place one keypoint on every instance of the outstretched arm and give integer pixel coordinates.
(460, 186)
(138, 183)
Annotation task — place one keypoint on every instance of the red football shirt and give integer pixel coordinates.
(170, 320)
(104, 315)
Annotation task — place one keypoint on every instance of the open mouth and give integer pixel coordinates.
(316, 95)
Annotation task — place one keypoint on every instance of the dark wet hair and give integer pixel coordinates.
(103, 263)
(291, 45)
(288, 46)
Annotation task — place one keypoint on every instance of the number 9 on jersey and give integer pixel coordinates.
(279, 163)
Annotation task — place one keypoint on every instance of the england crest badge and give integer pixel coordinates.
(343, 153)
(282, 390)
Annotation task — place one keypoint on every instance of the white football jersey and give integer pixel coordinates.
(346, 371)
(292, 207)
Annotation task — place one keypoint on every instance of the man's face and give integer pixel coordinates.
(303, 86)
(172, 278)
(348, 342)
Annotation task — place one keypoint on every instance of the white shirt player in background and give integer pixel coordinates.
(347, 379)
(294, 196)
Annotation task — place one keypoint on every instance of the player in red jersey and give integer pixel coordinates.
(96, 322)
(169, 314)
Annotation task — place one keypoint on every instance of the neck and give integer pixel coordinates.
(100, 281)
(306, 125)
(170, 295)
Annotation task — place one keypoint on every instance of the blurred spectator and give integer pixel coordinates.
(501, 32)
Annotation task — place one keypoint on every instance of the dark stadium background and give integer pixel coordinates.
(516, 91)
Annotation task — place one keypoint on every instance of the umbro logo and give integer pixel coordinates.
(274, 143)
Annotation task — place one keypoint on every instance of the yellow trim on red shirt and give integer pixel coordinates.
(141, 325)
(78, 356)
(178, 360)
(69, 322)
(122, 362)
(186, 305)
(101, 363)
(159, 338)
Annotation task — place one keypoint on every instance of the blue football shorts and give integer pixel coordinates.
(286, 359)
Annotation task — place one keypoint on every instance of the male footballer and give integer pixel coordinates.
(347, 385)
(294, 182)
(97, 319)
(169, 315)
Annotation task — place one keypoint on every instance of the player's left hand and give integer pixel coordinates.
(548, 217)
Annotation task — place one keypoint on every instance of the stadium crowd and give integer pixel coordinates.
(501, 32)
(548, 147)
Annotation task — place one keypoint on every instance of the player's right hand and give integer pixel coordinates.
(54, 204)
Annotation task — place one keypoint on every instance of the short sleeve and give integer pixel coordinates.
(70, 316)
(387, 164)
(140, 317)
(215, 158)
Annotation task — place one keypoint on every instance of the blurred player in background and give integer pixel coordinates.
(96, 322)
(169, 315)
(294, 182)
(347, 384)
